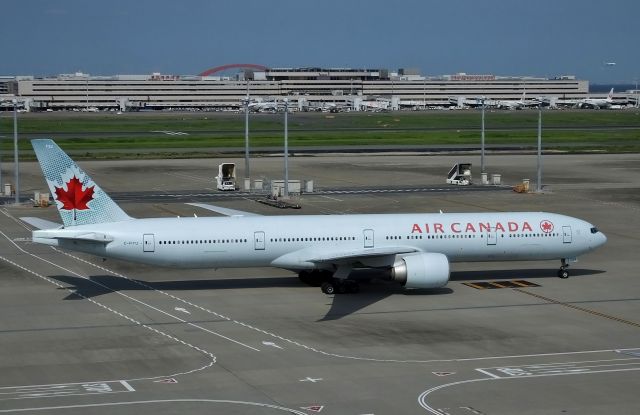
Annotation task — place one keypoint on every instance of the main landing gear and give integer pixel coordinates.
(563, 272)
(338, 286)
(328, 283)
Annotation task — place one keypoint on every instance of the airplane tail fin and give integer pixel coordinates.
(80, 201)
(610, 96)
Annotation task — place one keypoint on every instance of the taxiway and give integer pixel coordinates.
(78, 334)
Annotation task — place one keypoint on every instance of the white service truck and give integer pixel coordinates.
(226, 178)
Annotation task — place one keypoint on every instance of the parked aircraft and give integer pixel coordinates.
(517, 104)
(462, 102)
(264, 106)
(597, 102)
(413, 249)
(593, 103)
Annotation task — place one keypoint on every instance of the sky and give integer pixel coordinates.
(501, 37)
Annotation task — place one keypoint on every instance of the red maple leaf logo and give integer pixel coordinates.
(546, 226)
(74, 198)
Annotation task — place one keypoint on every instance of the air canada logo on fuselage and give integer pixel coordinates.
(546, 226)
(472, 227)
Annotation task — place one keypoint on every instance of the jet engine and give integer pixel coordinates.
(425, 270)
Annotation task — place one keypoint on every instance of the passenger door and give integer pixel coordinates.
(148, 242)
(566, 234)
(492, 237)
(368, 238)
(258, 241)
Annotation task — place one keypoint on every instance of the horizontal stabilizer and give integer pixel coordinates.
(72, 235)
(223, 211)
(41, 223)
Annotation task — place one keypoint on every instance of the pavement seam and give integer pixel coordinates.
(578, 308)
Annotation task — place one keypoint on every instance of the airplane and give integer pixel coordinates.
(412, 249)
(517, 104)
(463, 102)
(596, 103)
(264, 106)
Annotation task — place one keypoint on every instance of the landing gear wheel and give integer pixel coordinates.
(563, 272)
(328, 288)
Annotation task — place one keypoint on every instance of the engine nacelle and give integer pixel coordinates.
(426, 270)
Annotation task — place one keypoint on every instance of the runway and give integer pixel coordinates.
(79, 334)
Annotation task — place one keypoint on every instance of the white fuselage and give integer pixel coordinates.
(289, 241)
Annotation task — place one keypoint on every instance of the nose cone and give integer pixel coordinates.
(601, 239)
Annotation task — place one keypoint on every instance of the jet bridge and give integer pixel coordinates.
(460, 174)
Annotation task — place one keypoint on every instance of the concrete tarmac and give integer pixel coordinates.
(79, 335)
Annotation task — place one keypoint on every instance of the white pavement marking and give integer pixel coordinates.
(64, 389)
(312, 380)
(332, 198)
(488, 373)
(631, 352)
(613, 367)
(182, 310)
(313, 408)
(568, 368)
(169, 381)
(272, 344)
(157, 401)
(422, 399)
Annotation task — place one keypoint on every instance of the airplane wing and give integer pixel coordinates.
(309, 258)
(359, 254)
(40, 223)
(223, 211)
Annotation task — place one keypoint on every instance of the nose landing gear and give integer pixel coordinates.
(563, 272)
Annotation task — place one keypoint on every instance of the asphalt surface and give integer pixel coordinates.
(79, 335)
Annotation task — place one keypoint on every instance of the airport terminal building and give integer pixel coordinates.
(305, 88)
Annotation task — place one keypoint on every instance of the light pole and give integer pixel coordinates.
(539, 178)
(247, 171)
(15, 149)
(482, 139)
(286, 147)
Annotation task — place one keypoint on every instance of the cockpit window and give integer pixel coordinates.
(594, 230)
